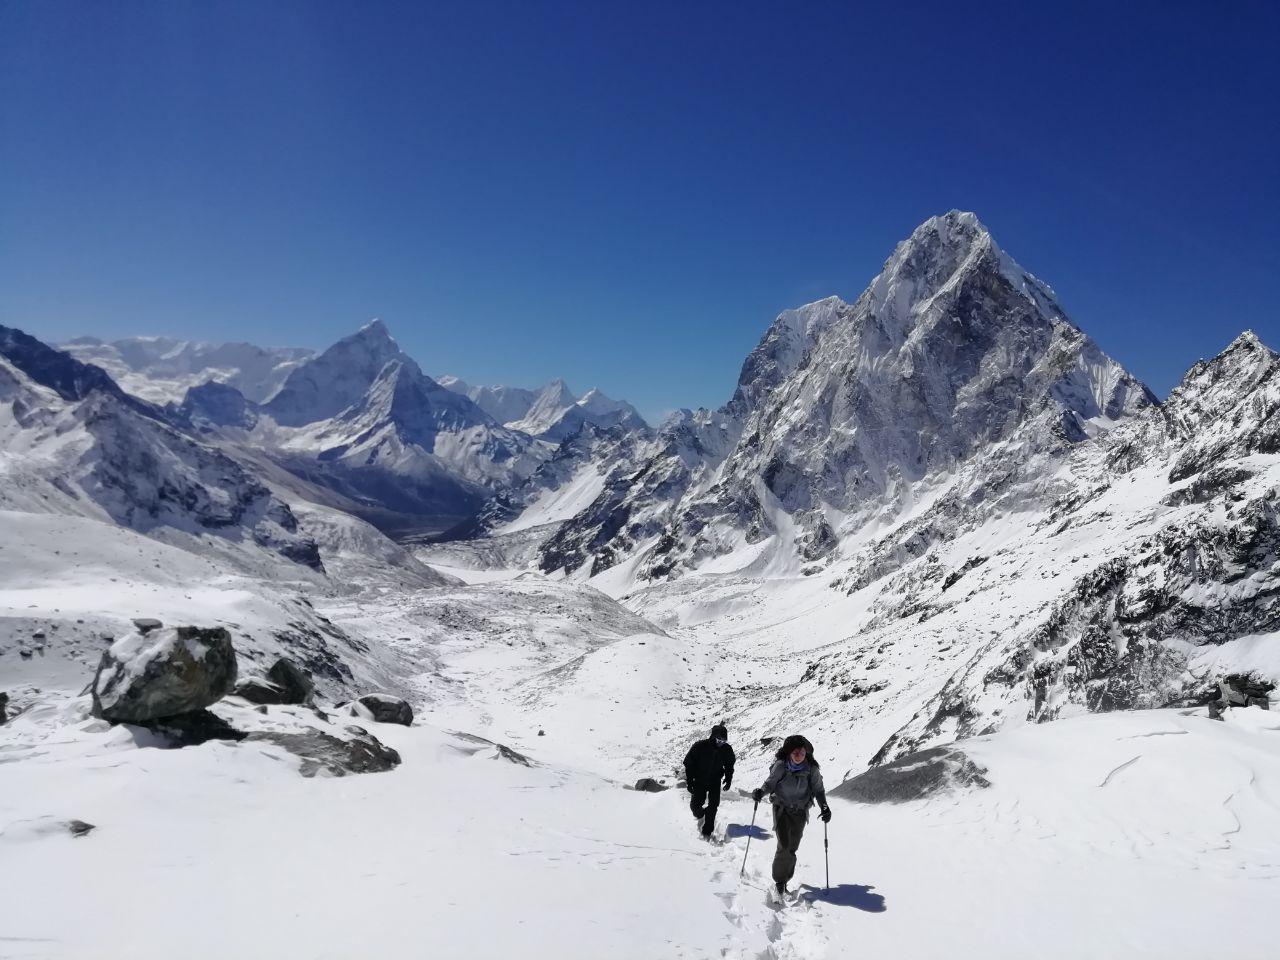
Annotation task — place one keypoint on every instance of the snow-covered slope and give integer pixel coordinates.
(1143, 835)
(72, 443)
(162, 369)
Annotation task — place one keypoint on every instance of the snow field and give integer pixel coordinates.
(1122, 835)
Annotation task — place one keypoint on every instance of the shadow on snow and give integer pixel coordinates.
(854, 895)
(742, 830)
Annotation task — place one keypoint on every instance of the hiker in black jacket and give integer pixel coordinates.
(706, 765)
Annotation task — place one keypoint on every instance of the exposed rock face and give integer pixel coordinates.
(163, 673)
(356, 751)
(69, 378)
(4, 707)
(1201, 572)
(914, 776)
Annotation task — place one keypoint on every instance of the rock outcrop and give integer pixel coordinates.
(163, 673)
(382, 708)
(915, 776)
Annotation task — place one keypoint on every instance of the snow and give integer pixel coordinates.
(558, 504)
(1140, 835)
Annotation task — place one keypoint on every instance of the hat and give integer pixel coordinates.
(720, 732)
(793, 741)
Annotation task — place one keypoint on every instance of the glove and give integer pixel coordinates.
(757, 794)
(727, 781)
(825, 815)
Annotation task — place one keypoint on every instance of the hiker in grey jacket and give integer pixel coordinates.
(795, 784)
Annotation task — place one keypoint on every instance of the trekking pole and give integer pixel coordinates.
(826, 854)
(742, 872)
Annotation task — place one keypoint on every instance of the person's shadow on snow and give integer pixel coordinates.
(742, 830)
(854, 895)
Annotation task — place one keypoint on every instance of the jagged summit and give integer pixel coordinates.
(375, 330)
(337, 378)
(952, 352)
(941, 257)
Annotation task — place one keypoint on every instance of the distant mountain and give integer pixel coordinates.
(162, 369)
(77, 444)
(504, 404)
(842, 410)
(551, 412)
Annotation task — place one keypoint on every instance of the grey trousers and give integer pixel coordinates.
(788, 827)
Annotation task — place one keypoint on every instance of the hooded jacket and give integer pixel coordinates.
(796, 790)
(707, 762)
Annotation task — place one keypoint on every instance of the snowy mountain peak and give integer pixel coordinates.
(375, 330)
(783, 347)
(59, 371)
(336, 379)
(163, 369)
(951, 359)
(937, 260)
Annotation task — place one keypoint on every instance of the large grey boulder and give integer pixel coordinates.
(293, 680)
(381, 707)
(260, 690)
(162, 673)
(914, 776)
(649, 785)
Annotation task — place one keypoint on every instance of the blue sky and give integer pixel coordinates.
(625, 195)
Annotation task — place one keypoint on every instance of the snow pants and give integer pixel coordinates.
(704, 802)
(788, 827)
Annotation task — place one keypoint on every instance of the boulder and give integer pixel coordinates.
(1239, 690)
(78, 828)
(4, 707)
(357, 752)
(914, 776)
(293, 680)
(194, 728)
(163, 673)
(258, 690)
(147, 624)
(381, 707)
(337, 751)
(649, 785)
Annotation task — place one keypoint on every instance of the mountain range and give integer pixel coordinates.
(942, 496)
